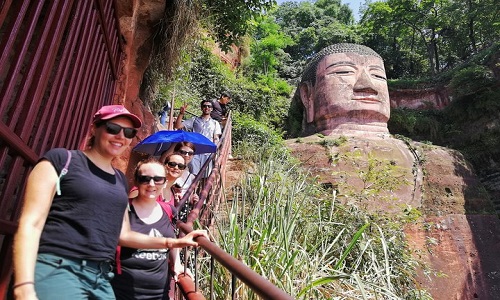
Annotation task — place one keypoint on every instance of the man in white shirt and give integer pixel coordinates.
(204, 125)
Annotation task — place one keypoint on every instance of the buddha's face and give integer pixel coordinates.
(350, 88)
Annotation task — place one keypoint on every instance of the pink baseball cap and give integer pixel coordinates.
(108, 112)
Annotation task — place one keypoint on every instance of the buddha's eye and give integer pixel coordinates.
(378, 73)
(381, 77)
(342, 70)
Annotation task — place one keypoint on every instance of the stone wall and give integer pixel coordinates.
(433, 98)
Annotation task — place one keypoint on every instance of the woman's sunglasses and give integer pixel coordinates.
(115, 129)
(159, 180)
(188, 153)
(174, 164)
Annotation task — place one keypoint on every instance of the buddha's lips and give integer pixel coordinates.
(372, 99)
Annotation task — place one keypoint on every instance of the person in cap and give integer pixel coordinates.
(74, 216)
(219, 110)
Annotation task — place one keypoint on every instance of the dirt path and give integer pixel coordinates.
(234, 173)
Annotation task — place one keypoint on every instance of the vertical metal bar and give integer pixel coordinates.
(16, 171)
(5, 259)
(98, 101)
(49, 45)
(212, 271)
(19, 54)
(18, 31)
(196, 269)
(106, 31)
(84, 110)
(3, 12)
(57, 93)
(32, 61)
(233, 286)
(83, 93)
(113, 25)
(11, 202)
(61, 134)
(14, 27)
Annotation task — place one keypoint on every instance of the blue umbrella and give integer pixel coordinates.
(161, 141)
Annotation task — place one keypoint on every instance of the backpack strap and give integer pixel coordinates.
(64, 171)
(167, 208)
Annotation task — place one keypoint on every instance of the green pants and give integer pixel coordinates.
(58, 277)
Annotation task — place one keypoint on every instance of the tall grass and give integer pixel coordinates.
(294, 233)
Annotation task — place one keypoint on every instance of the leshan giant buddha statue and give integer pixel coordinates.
(343, 97)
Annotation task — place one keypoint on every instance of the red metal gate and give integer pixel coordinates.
(58, 64)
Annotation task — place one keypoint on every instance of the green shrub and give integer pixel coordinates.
(248, 134)
(417, 124)
(471, 80)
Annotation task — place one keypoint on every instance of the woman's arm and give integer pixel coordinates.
(40, 191)
(132, 239)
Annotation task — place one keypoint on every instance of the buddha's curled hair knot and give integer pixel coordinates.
(310, 70)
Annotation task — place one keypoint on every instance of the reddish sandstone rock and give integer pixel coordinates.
(136, 22)
(458, 237)
(462, 253)
(433, 98)
(347, 168)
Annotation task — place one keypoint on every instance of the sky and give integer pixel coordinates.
(355, 5)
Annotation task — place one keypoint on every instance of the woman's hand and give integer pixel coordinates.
(194, 199)
(188, 240)
(180, 270)
(177, 195)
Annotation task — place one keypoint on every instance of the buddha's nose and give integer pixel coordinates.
(364, 82)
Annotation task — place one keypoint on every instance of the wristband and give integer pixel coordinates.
(22, 283)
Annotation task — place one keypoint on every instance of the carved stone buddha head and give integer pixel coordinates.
(344, 89)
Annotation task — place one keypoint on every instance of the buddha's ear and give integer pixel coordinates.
(306, 96)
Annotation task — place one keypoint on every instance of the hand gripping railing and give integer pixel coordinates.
(261, 286)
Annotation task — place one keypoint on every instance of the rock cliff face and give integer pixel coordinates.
(136, 22)
(459, 231)
(435, 98)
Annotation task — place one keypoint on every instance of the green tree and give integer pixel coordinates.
(472, 25)
(421, 21)
(313, 26)
(267, 47)
(444, 32)
(230, 20)
(397, 43)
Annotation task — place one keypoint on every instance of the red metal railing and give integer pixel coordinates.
(210, 197)
(58, 64)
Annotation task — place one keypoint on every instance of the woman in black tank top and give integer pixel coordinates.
(144, 272)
